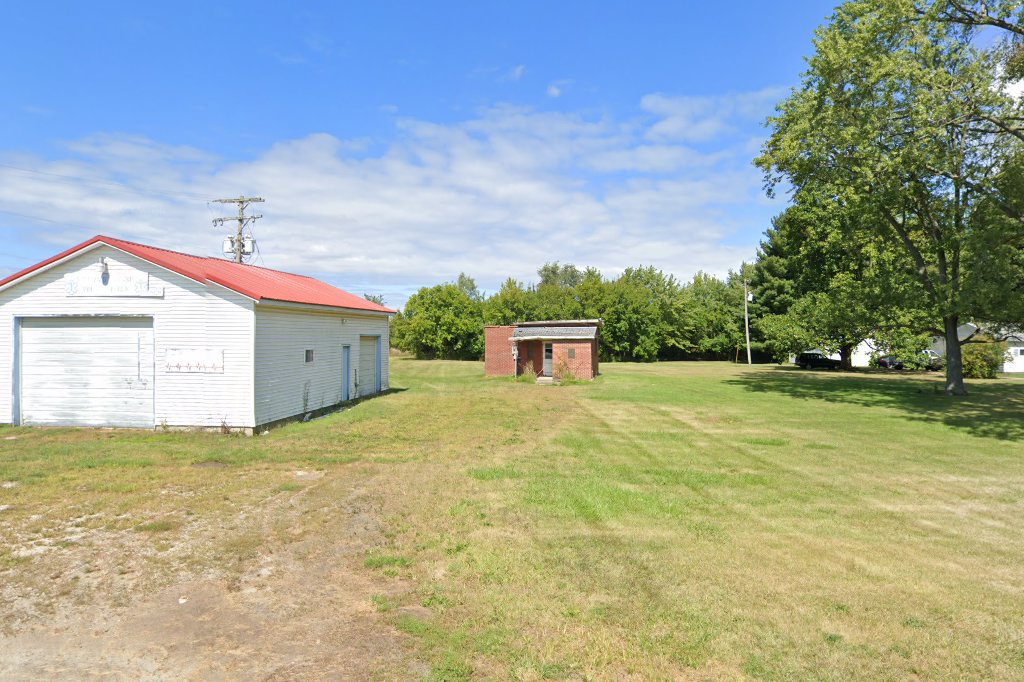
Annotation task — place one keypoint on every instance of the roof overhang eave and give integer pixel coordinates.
(276, 303)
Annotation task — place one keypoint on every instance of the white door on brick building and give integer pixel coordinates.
(548, 357)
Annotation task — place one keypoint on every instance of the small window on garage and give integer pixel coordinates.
(309, 355)
(572, 353)
(529, 351)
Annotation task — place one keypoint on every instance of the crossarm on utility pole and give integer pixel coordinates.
(238, 250)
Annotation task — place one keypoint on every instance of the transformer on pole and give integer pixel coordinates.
(241, 244)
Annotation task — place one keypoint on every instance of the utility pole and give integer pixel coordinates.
(746, 318)
(238, 250)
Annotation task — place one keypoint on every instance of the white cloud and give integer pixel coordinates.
(558, 88)
(494, 196)
(517, 72)
(655, 158)
(706, 118)
(1013, 88)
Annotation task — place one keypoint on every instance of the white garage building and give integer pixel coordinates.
(112, 333)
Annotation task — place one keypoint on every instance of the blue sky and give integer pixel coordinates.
(398, 144)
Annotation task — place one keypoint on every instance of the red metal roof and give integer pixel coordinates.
(257, 283)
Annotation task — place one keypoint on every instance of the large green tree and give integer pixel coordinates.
(1006, 17)
(554, 297)
(512, 303)
(998, 253)
(777, 276)
(443, 321)
(710, 313)
(887, 121)
(640, 315)
(818, 283)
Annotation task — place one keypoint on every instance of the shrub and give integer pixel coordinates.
(564, 373)
(983, 360)
(527, 375)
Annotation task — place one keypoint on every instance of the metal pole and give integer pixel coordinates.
(746, 318)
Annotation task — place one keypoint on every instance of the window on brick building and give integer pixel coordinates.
(572, 353)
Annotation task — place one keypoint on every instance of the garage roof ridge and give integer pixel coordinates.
(253, 281)
(108, 240)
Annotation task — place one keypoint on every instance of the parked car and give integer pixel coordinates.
(932, 360)
(890, 362)
(812, 359)
(926, 359)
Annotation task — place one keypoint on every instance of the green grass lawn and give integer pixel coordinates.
(698, 520)
(714, 521)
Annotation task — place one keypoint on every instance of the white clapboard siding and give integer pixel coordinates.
(186, 314)
(287, 385)
(87, 371)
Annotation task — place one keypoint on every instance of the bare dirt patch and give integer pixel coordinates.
(276, 591)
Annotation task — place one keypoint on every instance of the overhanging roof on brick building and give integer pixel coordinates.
(554, 333)
(560, 323)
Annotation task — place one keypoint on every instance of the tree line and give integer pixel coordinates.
(647, 314)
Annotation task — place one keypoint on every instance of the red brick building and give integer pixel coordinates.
(557, 349)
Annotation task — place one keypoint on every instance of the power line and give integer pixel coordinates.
(109, 183)
(63, 223)
(242, 245)
(35, 217)
(256, 246)
(248, 249)
(259, 254)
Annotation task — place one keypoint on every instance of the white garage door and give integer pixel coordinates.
(369, 378)
(87, 371)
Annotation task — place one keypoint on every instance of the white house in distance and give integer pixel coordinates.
(112, 333)
(1015, 349)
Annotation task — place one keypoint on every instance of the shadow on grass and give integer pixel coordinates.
(322, 412)
(993, 409)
